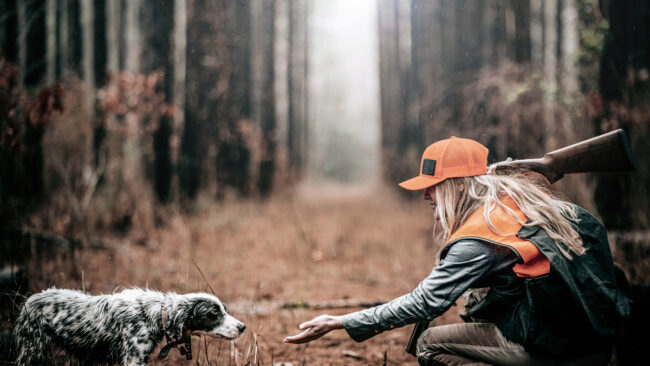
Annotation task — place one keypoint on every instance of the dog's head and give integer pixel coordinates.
(201, 313)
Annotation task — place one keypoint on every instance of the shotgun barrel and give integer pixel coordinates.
(609, 152)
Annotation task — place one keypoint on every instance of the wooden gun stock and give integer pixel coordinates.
(609, 152)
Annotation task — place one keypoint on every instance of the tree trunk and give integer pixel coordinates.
(161, 17)
(51, 49)
(622, 199)
(9, 38)
(73, 53)
(550, 68)
(99, 43)
(87, 34)
(64, 39)
(263, 15)
(490, 44)
(469, 17)
(233, 158)
(201, 98)
(281, 87)
(21, 10)
(569, 54)
(113, 27)
(297, 89)
(34, 42)
(392, 102)
(132, 40)
(179, 66)
(537, 33)
(522, 30)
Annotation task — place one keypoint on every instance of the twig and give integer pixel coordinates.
(299, 225)
(205, 344)
(202, 275)
(351, 354)
(333, 304)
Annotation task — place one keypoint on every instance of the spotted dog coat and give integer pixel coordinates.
(122, 328)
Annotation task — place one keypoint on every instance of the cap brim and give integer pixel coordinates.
(420, 182)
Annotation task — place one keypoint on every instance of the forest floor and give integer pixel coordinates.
(271, 261)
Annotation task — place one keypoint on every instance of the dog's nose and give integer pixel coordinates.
(241, 327)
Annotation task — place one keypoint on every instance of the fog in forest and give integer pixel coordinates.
(344, 92)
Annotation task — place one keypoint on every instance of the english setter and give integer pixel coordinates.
(122, 328)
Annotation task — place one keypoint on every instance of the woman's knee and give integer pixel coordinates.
(421, 345)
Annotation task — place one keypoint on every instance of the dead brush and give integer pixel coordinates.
(215, 354)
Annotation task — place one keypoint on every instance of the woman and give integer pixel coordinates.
(554, 293)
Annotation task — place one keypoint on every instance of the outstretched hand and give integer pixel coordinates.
(316, 328)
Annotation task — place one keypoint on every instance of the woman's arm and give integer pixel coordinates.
(466, 262)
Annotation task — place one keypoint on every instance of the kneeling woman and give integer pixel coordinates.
(554, 293)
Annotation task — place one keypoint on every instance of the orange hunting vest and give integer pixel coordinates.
(533, 262)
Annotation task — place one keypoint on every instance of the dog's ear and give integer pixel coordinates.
(178, 318)
(200, 307)
(187, 310)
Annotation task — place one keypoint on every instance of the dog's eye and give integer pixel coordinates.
(213, 314)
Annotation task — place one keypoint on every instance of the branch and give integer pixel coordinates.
(332, 304)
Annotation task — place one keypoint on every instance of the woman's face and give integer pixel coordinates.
(430, 195)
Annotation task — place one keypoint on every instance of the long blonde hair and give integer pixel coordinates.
(458, 198)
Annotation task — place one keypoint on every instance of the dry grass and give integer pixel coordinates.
(312, 245)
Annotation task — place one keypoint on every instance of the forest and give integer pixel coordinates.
(252, 149)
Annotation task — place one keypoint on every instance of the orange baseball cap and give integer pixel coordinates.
(450, 158)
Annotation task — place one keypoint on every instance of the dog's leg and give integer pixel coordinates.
(33, 342)
(137, 351)
(33, 349)
(130, 360)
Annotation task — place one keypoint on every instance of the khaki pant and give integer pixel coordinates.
(483, 344)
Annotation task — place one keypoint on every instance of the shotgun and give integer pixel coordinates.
(609, 152)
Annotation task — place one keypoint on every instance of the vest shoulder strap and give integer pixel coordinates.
(532, 262)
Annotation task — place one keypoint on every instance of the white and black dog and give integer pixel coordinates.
(122, 328)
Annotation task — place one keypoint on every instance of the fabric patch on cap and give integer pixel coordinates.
(428, 167)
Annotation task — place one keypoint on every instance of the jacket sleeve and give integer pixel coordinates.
(466, 262)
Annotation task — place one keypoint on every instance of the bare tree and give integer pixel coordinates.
(234, 157)
(51, 49)
(198, 146)
(263, 108)
(160, 16)
(297, 90)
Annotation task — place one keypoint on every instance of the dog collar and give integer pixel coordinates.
(164, 317)
(186, 340)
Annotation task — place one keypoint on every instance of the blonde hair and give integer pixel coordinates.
(458, 198)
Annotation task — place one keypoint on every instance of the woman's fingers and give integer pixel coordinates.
(308, 335)
(315, 328)
(298, 338)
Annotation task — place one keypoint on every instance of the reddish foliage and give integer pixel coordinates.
(17, 114)
(135, 96)
(48, 103)
(11, 95)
